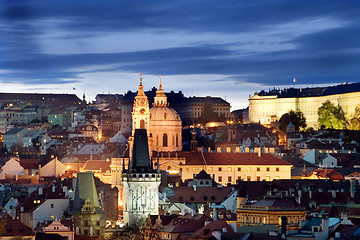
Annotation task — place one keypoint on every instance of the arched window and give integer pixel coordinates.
(157, 140)
(177, 140)
(165, 140)
(142, 123)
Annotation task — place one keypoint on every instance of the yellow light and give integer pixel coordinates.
(212, 124)
(67, 167)
(173, 171)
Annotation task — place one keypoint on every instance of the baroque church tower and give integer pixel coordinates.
(141, 182)
(140, 114)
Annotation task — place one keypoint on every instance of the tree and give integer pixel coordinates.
(355, 119)
(297, 119)
(331, 116)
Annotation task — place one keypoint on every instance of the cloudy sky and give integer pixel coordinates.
(220, 48)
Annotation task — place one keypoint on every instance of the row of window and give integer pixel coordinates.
(239, 169)
(248, 178)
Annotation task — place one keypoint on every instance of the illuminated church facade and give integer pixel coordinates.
(163, 124)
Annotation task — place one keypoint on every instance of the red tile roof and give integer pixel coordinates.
(201, 195)
(327, 173)
(232, 159)
(14, 227)
(96, 165)
(186, 224)
(206, 231)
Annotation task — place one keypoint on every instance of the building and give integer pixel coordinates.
(270, 210)
(227, 168)
(162, 123)
(190, 109)
(266, 107)
(87, 213)
(14, 136)
(140, 184)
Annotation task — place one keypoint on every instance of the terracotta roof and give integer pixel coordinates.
(96, 165)
(14, 227)
(327, 173)
(186, 223)
(206, 231)
(35, 199)
(201, 195)
(232, 159)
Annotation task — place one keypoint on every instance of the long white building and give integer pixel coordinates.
(266, 107)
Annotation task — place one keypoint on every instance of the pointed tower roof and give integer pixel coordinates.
(160, 99)
(141, 87)
(140, 161)
(85, 190)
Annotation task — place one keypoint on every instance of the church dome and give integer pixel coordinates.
(161, 113)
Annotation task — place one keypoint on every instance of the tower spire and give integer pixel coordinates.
(160, 84)
(141, 87)
(160, 99)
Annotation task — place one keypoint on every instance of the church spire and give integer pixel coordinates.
(160, 84)
(141, 87)
(160, 99)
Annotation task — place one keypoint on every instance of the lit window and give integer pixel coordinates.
(194, 169)
(248, 169)
(267, 178)
(229, 169)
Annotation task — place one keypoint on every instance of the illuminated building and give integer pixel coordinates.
(267, 107)
(229, 167)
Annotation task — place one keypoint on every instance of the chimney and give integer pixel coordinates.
(193, 142)
(325, 226)
(214, 214)
(194, 187)
(283, 225)
(352, 187)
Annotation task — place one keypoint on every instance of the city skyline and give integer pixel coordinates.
(227, 49)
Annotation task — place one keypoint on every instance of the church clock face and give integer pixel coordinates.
(142, 111)
(142, 102)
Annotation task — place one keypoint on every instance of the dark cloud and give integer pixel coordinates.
(325, 56)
